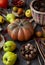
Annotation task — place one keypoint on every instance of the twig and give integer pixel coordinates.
(39, 50)
(39, 61)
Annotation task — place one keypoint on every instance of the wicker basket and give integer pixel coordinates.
(43, 30)
(38, 16)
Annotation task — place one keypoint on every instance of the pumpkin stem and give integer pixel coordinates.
(21, 24)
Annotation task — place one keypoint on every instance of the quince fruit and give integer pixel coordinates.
(9, 46)
(9, 58)
(1, 19)
(28, 13)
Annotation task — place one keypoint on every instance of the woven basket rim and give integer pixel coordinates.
(43, 13)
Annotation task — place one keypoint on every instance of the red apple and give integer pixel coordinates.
(3, 3)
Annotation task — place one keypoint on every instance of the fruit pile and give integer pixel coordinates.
(9, 57)
(18, 29)
(19, 12)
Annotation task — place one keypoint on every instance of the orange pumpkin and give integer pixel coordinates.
(21, 30)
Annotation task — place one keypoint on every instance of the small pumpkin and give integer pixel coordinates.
(21, 30)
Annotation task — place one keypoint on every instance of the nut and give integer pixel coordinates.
(26, 55)
(26, 47)
(31, 52)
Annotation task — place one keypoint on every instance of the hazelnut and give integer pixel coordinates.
(26, 47)
(26, 55)
(31, 52)
(34, 50)
(31, 48)
(30, 56)
(28, 44)
(28, 62)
